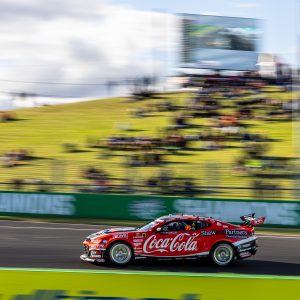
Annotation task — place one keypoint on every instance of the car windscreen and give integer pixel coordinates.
(148, 226)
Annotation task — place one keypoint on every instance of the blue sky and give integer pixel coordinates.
(92, 41)
(279, 17)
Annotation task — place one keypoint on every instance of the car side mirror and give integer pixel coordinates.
(158, 229)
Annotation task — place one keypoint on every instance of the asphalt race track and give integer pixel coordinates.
(49, 245)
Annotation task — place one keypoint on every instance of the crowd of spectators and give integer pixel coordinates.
(216, 116)
(227, 106)
(16, 157)
(6, 116)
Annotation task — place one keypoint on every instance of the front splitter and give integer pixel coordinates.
(84, 257)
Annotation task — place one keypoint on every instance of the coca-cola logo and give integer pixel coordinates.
(183, 242)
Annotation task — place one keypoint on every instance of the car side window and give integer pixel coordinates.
(173, 226)
(202, 225)
(185, 225)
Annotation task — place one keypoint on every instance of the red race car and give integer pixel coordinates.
(175, 236)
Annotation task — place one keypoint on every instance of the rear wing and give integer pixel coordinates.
(251, 221)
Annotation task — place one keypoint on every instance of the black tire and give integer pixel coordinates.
(222, 254)
(120, 254)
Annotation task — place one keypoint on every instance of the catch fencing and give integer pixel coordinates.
(207, 179)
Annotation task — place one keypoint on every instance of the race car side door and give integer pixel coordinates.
(173, 239)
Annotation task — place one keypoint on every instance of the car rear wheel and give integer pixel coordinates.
(120, 254)
(222, 254)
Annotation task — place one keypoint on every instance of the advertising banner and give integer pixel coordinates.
(144, 208)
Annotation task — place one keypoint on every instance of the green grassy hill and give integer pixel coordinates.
(43, 130)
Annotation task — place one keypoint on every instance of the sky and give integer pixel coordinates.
(86, 42)
(279, 17)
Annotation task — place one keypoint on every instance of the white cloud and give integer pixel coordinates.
(79, 41)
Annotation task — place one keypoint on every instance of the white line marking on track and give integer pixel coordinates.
(49, 228)
(45, 223)
(277, 236)
(48, 223)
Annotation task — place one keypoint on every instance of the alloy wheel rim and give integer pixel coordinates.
(223, 255)
(120, 253)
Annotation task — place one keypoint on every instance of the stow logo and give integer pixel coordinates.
(208, 233)
(83, 295)
(182, 242)
(227, 232)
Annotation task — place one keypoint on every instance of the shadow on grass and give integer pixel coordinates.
(278, 176)
(135, 130)
(79, 151)
(13, 120)
(33, 158)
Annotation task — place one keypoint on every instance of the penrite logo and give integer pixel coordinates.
(120, 236)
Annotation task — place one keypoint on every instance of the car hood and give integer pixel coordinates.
(110, 231)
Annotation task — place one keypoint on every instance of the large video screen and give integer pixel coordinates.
(220, 42)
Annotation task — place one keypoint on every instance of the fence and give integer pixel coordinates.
(191, 179)
(262, 192)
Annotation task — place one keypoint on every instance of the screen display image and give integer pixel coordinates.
(220, 42)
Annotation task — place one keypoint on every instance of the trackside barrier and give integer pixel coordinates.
(143, 207)
(49, 284)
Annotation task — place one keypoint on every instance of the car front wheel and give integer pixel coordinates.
(120, 254)
(222, 254)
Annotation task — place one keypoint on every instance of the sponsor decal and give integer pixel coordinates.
(45, 204)
(208, 233)
(245, 254)
(234, 234)
(94, 247)
(137, 240)
(183, 242)
(245, 249)
(245, 245)
(146, 209)
(120, 236)
(140, 235)
(96, 256)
